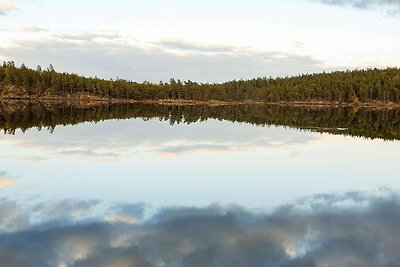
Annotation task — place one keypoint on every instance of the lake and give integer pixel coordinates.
(149, 185)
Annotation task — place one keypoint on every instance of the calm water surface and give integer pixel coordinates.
(197, 164)
(214, 193)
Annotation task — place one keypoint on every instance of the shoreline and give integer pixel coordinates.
(89, 100)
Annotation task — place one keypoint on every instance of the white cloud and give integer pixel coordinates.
(108, 55)
(6, 6)
(391, 6)
(217, 42)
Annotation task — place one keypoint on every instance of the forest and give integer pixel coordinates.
(368, 123)
(365, 86)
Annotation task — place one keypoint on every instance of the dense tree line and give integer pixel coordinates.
(384, 124)
(364, 85)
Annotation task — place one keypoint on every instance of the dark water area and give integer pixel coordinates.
(160, 185)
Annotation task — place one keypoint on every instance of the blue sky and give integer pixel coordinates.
(200, 40)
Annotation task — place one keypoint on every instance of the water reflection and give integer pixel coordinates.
(6, 180)
(196, 164)
(352, 229)
(211, 192)
(371, 123)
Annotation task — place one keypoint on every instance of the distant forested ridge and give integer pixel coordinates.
(343, 87)
(370, 123)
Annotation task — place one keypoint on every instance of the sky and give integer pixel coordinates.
(204, 41)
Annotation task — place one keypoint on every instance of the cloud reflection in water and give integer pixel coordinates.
(191, 165)
(6, 180)
(101, 142)
(352, 229)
